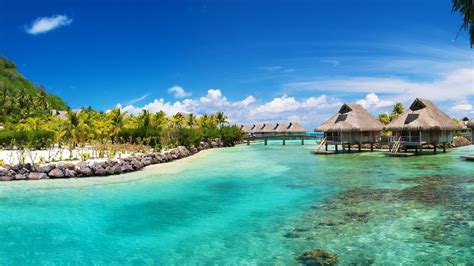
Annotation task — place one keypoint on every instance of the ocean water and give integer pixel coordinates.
(248, 205)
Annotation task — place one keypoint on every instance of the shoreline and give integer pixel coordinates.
(99, 167)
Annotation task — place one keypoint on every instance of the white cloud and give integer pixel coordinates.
(45, 24)
(139, 99)
(372, 102)
(178, 92)
(456, 85)
(333, 62)
(462, 107)
(309, 111)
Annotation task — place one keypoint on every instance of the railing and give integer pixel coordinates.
(405, 139)
(321, 144)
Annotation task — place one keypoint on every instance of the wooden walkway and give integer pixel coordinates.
(468, 157)
(283, 138)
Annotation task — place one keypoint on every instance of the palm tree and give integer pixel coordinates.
(191, 120)
(396, 111)
(466, 8)
(221, 119)
(117, 119)
(177, 120)
(145, 119)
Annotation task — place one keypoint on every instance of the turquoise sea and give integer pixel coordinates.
(248, 205)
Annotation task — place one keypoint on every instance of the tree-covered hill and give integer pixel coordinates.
(20, 98)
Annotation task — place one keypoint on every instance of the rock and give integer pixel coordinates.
(69, 173)
(82, 169)
(27, 166)
(126, 167)
(137, 164)
(44, 169)
(37, 176)
(117, 169)
(292, 235)
(109, 170)
(460, 142)
(6, 178)
(20, 177)
(100, 171)
(318, 257)
(56, 173)
(23, 171)
(61, 166)
(70, 166)
(3, 171)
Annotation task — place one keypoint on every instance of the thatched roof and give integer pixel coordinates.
(423, 115)
(246, 128)
(296, 128)
(263, 128)
(470, 124)
(280, 128)
(351, 118)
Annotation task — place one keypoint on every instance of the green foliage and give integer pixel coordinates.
(231, 135)
(384, 118)
(466, 9)
(140, 136)
(19, 98)
(189, 136)
(34, 139)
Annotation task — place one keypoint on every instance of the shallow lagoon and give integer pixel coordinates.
(249, 205)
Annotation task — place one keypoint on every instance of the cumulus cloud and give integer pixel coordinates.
(178, 92)
(438, 89)
(462, 107)
(372, 102)
(46, 24)
(309, 111)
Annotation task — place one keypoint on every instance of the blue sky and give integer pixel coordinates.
(256, 60)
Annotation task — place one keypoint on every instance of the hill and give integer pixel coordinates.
(20, 98)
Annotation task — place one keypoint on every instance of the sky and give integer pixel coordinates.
(258, 61)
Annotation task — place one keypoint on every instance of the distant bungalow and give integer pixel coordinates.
(351, 125)
(470, 125)
(423, 123)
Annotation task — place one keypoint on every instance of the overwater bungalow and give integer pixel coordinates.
(280, 129)
(423, 123)
(352, 125)
(470, 125)
(296, 129)
(246, 129)
(263, 130)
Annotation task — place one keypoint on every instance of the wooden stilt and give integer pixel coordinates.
(265, 141)
(248, 142)
(349, 148)
(336, 147)
(434, 149)
(302, 141)
(284, 142)
(359, 147)
(416, 149)
(371, 147)
(326, 147)
(444, 147)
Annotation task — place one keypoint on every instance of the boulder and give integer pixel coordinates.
(109, 170)
(69, 173)
(136, 164)
(23, 171)
(37, 176)
(99, 171)
(3, 171)
(20, 177)
(6, 178)
(117, 169)
(27, 166)
(61, 165)
(70, 166)
(44, 169)
(56, 173)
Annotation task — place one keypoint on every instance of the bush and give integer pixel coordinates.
(140, 136)
(35, 139)
(230, 135)
(189, 136)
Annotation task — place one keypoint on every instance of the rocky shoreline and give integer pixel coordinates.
(99, 168)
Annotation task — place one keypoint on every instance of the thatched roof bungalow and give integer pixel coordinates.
(246, 129)
(296, 129)
(263, 129)
(423, 123)
(351, 125)
(470, 125)
(280, 129)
